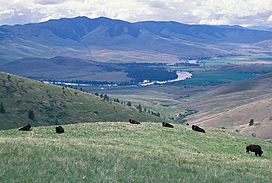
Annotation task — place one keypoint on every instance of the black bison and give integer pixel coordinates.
(59, 129)
(187, 124)
(254, 148)
(132, 121)
(198, 129)
(25, 128)
(167, 125)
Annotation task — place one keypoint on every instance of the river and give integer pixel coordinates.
(182, 75)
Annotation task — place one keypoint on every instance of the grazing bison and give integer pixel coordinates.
(132, 121)
(25, 128)
(254, 148)
(167, 125)
(198, 129)
(187, 124)
(59, 129)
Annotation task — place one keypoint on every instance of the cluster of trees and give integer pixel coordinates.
(105, 97)
(139, 107)
(148, 71)
(73, 87)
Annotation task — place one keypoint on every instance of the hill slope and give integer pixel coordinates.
(65, 69)
(109, 39)
(121, 152)
(56, 105)
(233, 105)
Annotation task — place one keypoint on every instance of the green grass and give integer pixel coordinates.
(56, 105)
(215, 77)
(120, 152)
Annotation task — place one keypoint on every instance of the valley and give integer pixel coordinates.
(209, 87)
(136, 91)
(216, 89)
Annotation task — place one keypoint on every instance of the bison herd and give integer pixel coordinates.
(59, 129)
(252, 147)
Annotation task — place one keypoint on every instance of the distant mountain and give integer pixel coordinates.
(265, 28)
(109, 39)
(54, 105)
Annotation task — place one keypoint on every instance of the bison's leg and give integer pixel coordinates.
(256, 154)
(247, 151)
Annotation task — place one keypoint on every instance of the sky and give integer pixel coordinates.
(215, 12)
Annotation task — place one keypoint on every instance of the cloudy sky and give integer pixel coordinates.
(242, 12)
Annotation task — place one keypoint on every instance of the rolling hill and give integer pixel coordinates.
(66, 69)
(115, 40)
(233, 105)
(121, 152)
(53, 104)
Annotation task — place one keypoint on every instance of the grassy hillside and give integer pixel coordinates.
(121, 152)
(234, 104)
(56, 105)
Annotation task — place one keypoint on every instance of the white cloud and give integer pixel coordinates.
(47, 2)
(269, 18)
(7, 12)
(243, 12)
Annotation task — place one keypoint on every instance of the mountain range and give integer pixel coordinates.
(104, 39)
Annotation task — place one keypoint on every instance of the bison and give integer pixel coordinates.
(254, 148)
(59, 129)
(198, 129)
(132, 121)
(167, 125)
(25, 128)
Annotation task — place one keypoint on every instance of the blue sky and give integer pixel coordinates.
(216, 12)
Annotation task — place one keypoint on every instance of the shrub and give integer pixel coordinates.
(2, 108)
(129, 103)
(139, 107)
(106, 97)
(31, 114)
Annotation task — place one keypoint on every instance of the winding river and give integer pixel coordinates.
(182, 75)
